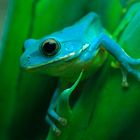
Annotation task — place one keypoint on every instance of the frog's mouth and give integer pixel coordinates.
(65, 58)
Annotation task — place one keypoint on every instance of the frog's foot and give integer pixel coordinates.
(129, 67)
(53, 126)
(62, 121)
(53, 115)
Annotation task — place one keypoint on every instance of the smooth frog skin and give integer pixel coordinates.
(77, 49)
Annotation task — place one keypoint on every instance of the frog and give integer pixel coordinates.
(74, 54)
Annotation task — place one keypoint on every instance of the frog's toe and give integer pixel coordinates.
(53, 126)
(124, 78)
(55, 116)
(125, 84)
(57, 132)
(62, 121)
(128, 68)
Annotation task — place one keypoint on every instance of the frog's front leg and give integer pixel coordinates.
(124, 59)
(52, 114)
(58, 97)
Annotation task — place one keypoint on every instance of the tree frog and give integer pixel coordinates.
(73, 54)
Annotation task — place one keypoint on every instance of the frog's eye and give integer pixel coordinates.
(50, 47)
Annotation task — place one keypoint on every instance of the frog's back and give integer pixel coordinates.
(94, 27)
(85, 29)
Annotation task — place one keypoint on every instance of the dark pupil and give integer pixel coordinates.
(49, 48)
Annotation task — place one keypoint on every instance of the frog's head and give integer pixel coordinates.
(58, 51)
(51, 53)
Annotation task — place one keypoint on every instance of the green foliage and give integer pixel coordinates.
(104, 111)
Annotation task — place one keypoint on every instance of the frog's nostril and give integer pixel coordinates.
(26, 61)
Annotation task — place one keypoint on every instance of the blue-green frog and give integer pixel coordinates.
(73, 54)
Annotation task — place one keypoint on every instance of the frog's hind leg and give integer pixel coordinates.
(60, 98)
(52, 115)
(51, 110)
